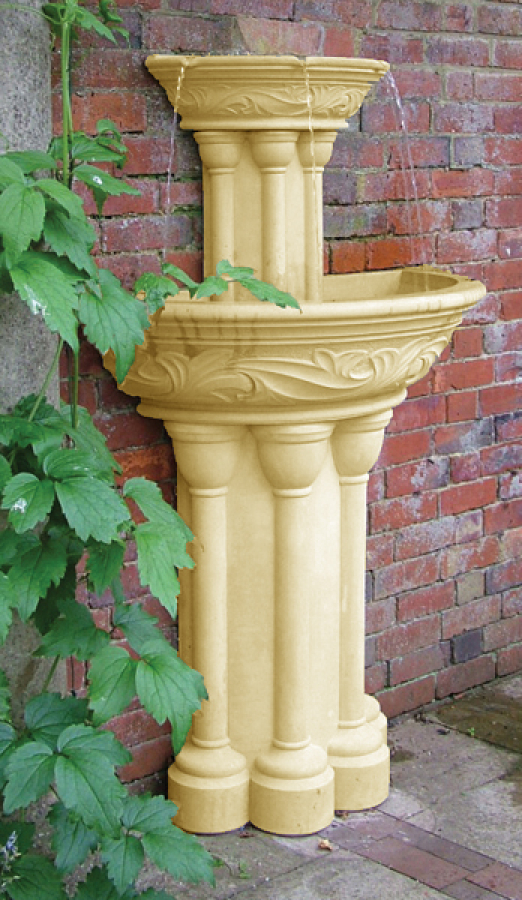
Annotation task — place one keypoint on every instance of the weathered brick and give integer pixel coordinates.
(399, 512)
(380, 615)
(426, 474)
(459, 498)
(457, 376)
(147, 759)
(466, 646)
(465, 467)
(509, 660)
(461, 677)
(416, 540)
(494, 18)
(462, 406)
(407, 697)
(467, 214)
(275, 36)
(375, 678)
(425, 601)
(462, 182)
(455, 51)
(406, 576)
(470, 586)
(379, 550)
(463, 437)
(471, 615)
(400, 448)
(418, 414)
(500, 398)
(501, 634)
(416, 664)
(510, 486)
(468, 342)
(506, 575)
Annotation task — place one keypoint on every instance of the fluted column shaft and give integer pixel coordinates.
(358, 751)
(292, 784)
(314, 152)
(272, 152)
(209, 780)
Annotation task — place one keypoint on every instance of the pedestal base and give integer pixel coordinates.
(361, 762)
(300, 806)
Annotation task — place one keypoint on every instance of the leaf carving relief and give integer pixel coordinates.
(236, 100)
(222, 376)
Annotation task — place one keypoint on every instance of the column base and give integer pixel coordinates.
(301, 807)
(361, 762)
(375, 717)
(210, 789)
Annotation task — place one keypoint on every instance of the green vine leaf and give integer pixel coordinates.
(7, 601)
(156, 564)
(33, 572)
(137, 625)
(5, 472)
(156, 288)
(98, 886)
(7, 747)
(85, 779)
(22, 211)
(10, 172)
(28, 500)
(71, 840)
(124, 858)
(92, 508)
(35, 876)
(118, 321)
(169, 689)
(30, 160)
(102, 184)
(71, 237)
(30, 772)
(47, 715)
(46, 290)
(112, 676)
(73, 634)
(167, 846)
(104, 563)
(213, 285)
(5, 698)
(150, 500)
(180, 275)
(71, 202)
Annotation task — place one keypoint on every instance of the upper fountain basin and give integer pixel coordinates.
(356, 353)
(252, 93)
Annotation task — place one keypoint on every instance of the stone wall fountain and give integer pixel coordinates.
(276, 417)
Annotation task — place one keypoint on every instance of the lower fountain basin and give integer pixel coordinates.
(357, 352)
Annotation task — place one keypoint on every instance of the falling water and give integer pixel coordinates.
(406, 163)
(174, 132)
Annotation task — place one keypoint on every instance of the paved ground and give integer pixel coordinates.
(451, 827)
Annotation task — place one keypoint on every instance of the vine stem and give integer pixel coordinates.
(47, 380)
(50, 674)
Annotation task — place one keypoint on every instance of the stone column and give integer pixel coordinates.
(357, 752)
(272, 152)
(314, 152)
(292, 784)
(220, 153)
(209, 780)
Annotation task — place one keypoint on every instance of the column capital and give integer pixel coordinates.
(220, 150)
(356, 444)
(291, 456)
(206, 454)
(315, 149)
(273, 150)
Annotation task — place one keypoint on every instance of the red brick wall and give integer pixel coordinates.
(445, 513)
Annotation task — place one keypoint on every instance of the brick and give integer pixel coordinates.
(271, 9)
(155, 463)
(467, 342)
(375, 486)
(464, 557)
(437, 846)
(504, 515)
(274, 36)
(416, 864)
(147, 202)
(501, 398)
(462, 406)
(389, 253)
(355, 14)
(468, 496)
(339, 187)
(510, 486)
(459, 84)
(501, 458)
(129, 266)
(462, 182)
(503, 336)
(136, 727)
(512, 602)
(465, 468)
(498, 87)
(173, 33)
(426, 474)
(406, 637)
(402, 511)
(470, 586)
(395, 47)
(421, 83)
(108, 69)
(464, 437)
(417, 540)
(509, 427)
(355, 150)
(346, 221)
(470, 616)
(503, 151)
(429, 216)
(493, 18)
(146, 232)
(419, 413)
(508, 182)
(508, 366)
(467, 214)
(406, 575)
(416, 664)
(379, 550)
(466, 245)
(147, 759)
(413, 16)
(461, 677)
(508, 121)
(503, 880)
(126, 109)
(395, 185)
(457, 376)
(506, 54)
(511, 306)
(375, 678)
(425, 601)
(400, 448)
(380, 615)
(384, 118)
(339, 41)
(503, 212)
(506, 575)
(407, 697)
(509, 660)
(130, 430)
(348, 256)
(455, 51)
(466, 646)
